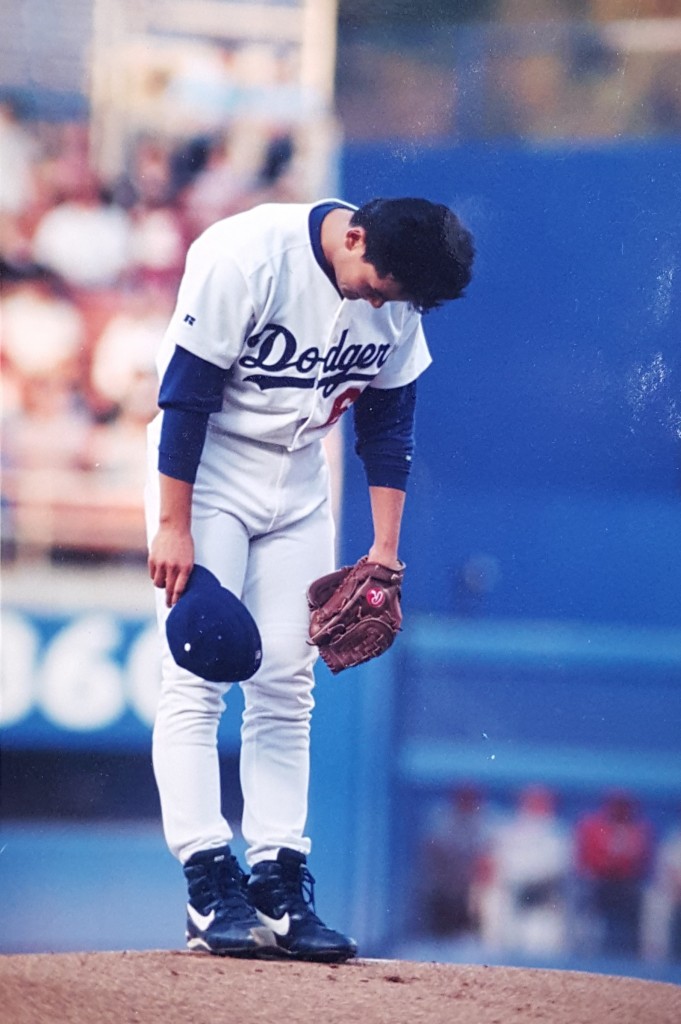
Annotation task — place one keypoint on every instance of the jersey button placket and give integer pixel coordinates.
(333, 337)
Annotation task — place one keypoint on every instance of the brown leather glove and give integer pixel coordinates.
(355, 613)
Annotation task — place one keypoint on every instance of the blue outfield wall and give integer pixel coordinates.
(549, 426)
(547, 475)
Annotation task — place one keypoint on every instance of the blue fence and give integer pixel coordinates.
(549, 427)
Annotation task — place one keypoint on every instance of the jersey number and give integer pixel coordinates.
(341, 404)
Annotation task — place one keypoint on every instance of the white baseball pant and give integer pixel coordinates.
(262, 523)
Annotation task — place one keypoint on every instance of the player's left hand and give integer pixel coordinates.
(355, 612)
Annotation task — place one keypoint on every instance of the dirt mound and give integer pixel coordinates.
(180, 988)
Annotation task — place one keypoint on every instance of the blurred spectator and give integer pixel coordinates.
(64, 162)
(149, 180)
(157, 246)
(115, 451)
(84, 239)
(41, 328)
(452, 860)
(15, 245)
(217, 190)
(524, 906)
(663, 905)
(187, 160)
(279, 154)
(50, 428)
(613, 849)
(149, 192)
(280, 178)
(128, 344)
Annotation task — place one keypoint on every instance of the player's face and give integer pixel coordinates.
(358, 279)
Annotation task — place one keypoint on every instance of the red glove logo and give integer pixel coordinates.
(375, 597)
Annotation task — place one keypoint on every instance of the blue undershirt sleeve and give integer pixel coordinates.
(384, 432)
(183, 434)
(191, 390)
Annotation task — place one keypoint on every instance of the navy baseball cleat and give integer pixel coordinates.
(220, 919)
(282, 892)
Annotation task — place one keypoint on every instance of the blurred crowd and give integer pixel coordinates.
(89, 266)
(89, 271)
(535, 882)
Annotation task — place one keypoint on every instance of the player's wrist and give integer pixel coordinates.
(175, 524)
(386, 556)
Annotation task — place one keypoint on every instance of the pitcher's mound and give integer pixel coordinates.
(182, 988)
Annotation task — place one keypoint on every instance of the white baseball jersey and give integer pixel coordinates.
(254, 300)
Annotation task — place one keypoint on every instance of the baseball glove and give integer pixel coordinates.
(355, 613)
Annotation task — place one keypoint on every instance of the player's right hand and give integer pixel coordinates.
(171, 560)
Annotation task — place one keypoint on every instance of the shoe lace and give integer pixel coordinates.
(223, 886)
(296, 890)
(306, 888)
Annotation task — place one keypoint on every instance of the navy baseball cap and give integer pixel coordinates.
(211, 633)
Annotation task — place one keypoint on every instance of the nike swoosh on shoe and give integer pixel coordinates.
(279, 925)
(202, 921)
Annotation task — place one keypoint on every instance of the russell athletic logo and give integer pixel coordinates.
(276, 355)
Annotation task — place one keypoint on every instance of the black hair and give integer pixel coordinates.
(422, 245)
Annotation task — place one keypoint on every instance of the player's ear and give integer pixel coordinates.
(355, 239)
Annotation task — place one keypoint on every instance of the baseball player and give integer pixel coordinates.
(287, 316)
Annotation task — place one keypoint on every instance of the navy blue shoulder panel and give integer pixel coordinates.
(317, 215)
